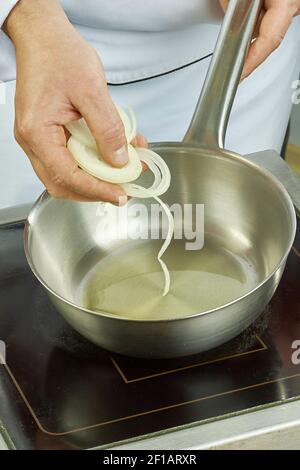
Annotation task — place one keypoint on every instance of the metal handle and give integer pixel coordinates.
(209, 123)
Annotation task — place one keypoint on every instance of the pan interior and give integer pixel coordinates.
(129, 283)
(248, 231)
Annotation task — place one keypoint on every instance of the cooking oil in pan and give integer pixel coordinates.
(130, 282)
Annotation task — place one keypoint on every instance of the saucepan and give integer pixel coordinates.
(249, 228)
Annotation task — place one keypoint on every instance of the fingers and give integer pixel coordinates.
(140, 141)
(59, 172)
(66, 176)
(258, 23)
(272, 30)
(224, 4)
(64, 179)
(59, 193)
(105, 124)
(44, 177)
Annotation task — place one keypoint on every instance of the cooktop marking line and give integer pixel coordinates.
(296, 251)
(143, 413)
(137, 415)
(23, 396)
(261, 342)
(191, 366)
(119, 370)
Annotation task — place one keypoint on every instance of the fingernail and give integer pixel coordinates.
(121, 156)
(120, 200)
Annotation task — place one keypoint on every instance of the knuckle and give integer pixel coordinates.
(25, 129)
(17, 135)
(58, 180)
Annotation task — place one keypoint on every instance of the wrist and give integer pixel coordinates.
(32, 18)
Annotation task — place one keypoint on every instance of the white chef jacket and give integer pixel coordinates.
(156, 54)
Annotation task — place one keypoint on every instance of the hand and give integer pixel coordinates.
(60, 78)
(273, 24)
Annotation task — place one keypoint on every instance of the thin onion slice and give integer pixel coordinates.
(83, 147)
(88, 159)
(166, 244)
(81, 132)
(133, 125)
(160, 170)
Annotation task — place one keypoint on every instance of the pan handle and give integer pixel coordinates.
(209, 123)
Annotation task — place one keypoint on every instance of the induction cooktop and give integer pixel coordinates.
(59, 391)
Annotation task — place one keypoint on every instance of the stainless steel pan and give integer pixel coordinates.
(248, 214)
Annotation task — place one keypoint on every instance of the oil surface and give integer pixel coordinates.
(129, 283)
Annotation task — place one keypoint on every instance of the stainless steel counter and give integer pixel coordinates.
(3, 445)
(277, 427)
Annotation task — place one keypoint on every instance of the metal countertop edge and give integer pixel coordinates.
(14, 214)
(3, 445)
(5, 441)
(7, 216)
(274, 427)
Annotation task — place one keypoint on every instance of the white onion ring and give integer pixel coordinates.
(83, 147)
(88, 159)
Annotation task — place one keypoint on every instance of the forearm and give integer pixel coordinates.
(29, 18)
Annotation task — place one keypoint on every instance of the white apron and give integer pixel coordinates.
(164, 49)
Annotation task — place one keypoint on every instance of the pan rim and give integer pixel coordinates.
(217, 152)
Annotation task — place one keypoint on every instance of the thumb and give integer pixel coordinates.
(223, 4)
(104, 122)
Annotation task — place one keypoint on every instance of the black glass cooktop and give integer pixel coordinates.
(58, 391)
